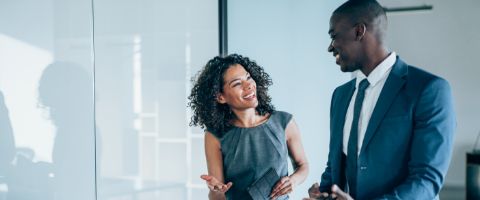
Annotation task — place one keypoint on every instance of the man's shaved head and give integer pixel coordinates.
(368, 12)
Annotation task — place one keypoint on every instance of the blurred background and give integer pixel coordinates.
(93, 93)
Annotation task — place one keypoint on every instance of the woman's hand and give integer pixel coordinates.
(215, 185)
(284, 186)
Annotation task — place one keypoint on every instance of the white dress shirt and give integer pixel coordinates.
(377, 80)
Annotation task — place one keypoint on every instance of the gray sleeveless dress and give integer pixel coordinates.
(249, 152)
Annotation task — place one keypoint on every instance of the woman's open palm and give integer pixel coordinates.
(215, 185)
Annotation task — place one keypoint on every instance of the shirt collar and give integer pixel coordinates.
(380, 71)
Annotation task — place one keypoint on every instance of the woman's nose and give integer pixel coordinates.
(248, 85)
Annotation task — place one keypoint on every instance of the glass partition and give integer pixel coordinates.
(47, 138)
(93, 98)
(145, 55)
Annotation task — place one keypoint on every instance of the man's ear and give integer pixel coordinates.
(360, 31)
(221, 99)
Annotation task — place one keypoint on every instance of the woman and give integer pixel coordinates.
(245, 136)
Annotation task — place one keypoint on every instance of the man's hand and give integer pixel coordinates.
(341, 195)
(315, 194)
(215, 185)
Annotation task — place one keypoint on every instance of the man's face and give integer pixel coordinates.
(344, 45)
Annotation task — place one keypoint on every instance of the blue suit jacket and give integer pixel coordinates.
(408, 142)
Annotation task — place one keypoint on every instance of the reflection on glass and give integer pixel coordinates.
(65, 91)
(21, 66)
(144, 55)
(26, 137)
(47, 139)
(7, 146)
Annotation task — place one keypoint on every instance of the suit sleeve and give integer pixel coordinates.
(431, 147)
(326, 179)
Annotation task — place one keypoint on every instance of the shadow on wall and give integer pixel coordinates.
(7, 143)
(65, 92)
(24, 179)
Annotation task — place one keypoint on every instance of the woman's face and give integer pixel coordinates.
(239, 89)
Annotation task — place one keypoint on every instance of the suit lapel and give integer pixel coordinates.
(343, 101)
(392, 86)
(340, 105)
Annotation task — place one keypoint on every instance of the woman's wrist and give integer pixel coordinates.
(212, 195)
(293, 180)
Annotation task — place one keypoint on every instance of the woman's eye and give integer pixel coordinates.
(249, 77)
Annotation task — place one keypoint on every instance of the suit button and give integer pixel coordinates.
(363, 168)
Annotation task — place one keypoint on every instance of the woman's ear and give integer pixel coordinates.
(221, 99)
(360, 31)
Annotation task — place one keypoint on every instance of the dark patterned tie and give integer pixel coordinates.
(353, 140)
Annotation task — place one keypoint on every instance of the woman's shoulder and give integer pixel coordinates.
(280, 113)
(281, 117)
(217, 133)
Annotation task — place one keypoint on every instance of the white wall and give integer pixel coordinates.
(289, 39)
(445, 41)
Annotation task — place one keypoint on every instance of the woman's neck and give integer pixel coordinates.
(247, 118)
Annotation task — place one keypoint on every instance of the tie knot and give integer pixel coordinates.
(363, 84)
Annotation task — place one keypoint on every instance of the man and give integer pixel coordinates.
(392, 126)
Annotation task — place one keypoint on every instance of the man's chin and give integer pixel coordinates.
(344, 68)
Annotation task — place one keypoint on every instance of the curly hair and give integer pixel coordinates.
(216, 117)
